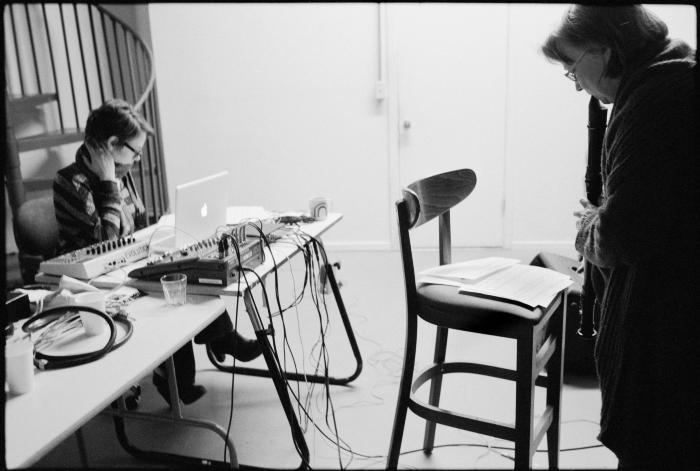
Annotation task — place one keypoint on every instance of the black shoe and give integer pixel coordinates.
(232, 343)
(131, 398)
(187, 394)
(217, 349)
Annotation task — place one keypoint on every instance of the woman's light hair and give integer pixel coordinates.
(632, 33)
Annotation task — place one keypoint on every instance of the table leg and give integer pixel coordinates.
(175, 418)
(300, 376)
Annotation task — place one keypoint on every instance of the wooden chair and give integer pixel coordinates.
(538, 334)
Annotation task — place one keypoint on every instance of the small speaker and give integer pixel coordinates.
(578, 351)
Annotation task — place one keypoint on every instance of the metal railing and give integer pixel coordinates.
(78, 56)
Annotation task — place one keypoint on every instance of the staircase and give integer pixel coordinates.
(62, 61)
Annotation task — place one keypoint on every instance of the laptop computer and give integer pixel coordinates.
(200, 208)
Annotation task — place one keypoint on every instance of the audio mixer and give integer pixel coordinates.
(210, 261)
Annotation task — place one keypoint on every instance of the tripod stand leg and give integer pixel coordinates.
(277, 377)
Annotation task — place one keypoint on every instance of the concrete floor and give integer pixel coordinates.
(373, 293)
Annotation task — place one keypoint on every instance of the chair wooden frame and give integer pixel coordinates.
(539, 342)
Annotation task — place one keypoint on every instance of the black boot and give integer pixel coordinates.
(188, 394)
(183, 360)
(232, 343)
(131, 398)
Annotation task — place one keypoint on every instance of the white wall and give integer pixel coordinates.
(282, 95)
(457, 113)
(546, 135)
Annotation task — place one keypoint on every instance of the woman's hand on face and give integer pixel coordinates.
(103, 166)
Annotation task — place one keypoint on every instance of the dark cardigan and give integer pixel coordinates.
(644, 241)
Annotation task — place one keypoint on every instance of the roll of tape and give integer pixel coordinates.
(319, 208)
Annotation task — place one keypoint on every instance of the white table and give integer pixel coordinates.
(279, 254)
(65, 399)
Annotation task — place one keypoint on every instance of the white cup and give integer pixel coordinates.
(319, 208)
(19, 365)
(92, 323)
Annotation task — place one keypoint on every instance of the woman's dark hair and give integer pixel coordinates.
(114, 118)
(632, 33)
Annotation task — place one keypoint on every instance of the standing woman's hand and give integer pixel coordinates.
(103, 166)
(583, 214)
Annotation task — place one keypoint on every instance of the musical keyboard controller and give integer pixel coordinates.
(102, 257)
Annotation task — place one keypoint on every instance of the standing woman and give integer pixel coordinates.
(642, 237)
(96, 200)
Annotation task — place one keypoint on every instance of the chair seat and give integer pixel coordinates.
(446, 306)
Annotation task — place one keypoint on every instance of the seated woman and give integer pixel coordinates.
(96, 200)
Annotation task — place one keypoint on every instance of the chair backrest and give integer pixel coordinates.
(36, 229)
(433, 196)
(424, 200)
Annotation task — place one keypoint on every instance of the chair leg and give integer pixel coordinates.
(555, 372)
(404, 394)
(435, 388)
(524, 401)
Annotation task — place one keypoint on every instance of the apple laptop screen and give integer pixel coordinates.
(200, 208)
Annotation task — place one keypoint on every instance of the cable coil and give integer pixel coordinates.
(49, 362)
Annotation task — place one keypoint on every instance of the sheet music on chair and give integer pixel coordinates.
(463, 272)
(500, 278)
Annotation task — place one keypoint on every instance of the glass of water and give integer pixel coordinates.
(174, 288)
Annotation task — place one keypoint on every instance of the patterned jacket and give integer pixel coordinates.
(89, 210)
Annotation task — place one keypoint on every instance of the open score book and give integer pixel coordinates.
(505, 279)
